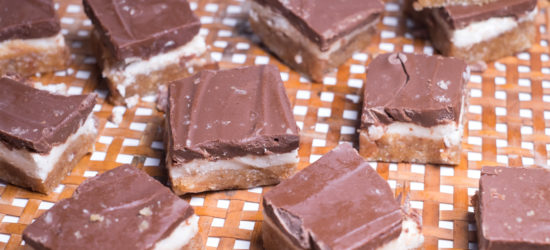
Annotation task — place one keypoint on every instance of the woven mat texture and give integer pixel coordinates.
(508, 124)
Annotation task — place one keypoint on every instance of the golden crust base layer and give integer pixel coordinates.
(397, 148)
(75, 151)
(246, 177)
(27, 60)
(287, 49)
(506, 44)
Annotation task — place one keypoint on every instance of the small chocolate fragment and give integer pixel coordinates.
(338, 202)
(37, 120)
(142, 28)
(123, 208)
(229, 113)
(422, 89)
(27, 19)
(325, 21)
(512, 208)
(460, 16)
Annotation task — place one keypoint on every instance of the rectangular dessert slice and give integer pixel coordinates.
(512, 209)
(230, 129)
(144, 44)
(42, 136)
(484, 33)
(123, 208)
(30, 38)
(338, 202)
(315, 37)
(413, 109)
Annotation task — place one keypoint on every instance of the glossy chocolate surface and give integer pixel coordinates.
(27, 19)
(420, 89)
(123, 208)
(37, 120)
(324, 21)
(142, 28)
(228, 113)
(338, 202)
(514, 208)
(460, 16)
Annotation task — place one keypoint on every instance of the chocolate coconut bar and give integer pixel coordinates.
(338, 202)
(483, 33)
(123, 208)
(315, 37)
(230, 129)
(512, 208)
(42, 136)
(413, 109)
(30, 38)
(143, 44)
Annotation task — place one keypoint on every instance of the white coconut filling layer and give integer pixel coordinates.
(136, 66)
(485, 30)
(203, 166)
(37, 165)
(410, 237)
(278, 22)
(449, 133)
(181, 236)
(44, 43)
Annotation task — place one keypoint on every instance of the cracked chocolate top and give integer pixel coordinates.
(325, 21)
(37, 120)
(228, 113)
(460, 16)
(27, 19)
(123, 208)
(420, 89)
(514, 208)
(142, 28)
(338, 202)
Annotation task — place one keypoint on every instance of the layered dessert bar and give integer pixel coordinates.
(427, 4)
(123, 208)
(143, 44)
(483, 33)
(315, 37)
(30, 38)
(42, 135)
(413, 109)
(338, 202)
(230, 129)
(512, 209)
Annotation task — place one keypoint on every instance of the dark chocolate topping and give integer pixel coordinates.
(27, 19)
(37, 120)
(338, 202)
(228, 113)
(324, 21)
(142, 28)
(121, 209)
(514, 208)
(460, 16)
(421, 89)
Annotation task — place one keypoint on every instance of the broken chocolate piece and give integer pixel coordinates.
(28, 19)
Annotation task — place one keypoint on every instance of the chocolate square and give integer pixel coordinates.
(460, 16)
(223, 114)
(338, 202)
(123, 208)
(28, 19)
(142, 28)
(413, 88)
(513, 208)
(37, 120)
(324, 21)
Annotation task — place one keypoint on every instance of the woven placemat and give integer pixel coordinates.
(508, 124)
